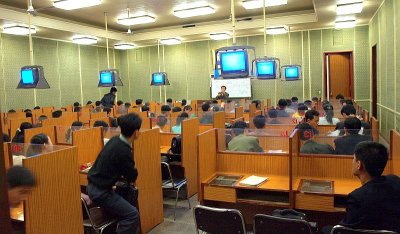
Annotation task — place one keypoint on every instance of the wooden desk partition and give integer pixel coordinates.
(239, 112)
(92, 121)
(207, 158)
(54, 122)
(190, 130)
(16, 123)
(219, 120)
(146, 123)
(89, 143)
(166, 138)
(98, 115)
(375, 129)
(70, 117)
(54, 206)
(48, 130)
(48, 110)
(146, 153)
(395, 151)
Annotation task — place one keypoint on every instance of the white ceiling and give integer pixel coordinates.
(60, 24)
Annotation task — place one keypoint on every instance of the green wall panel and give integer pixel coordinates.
(69, 73)
(90, 73)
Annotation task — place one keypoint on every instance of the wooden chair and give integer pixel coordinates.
(267, 224)
(222, 221)
(338, 229)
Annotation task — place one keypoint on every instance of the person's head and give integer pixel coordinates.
(139, 102)
(314, 99)
(28, 111)
(12, 111)
(42, 117)
(39, 144)
(113, 90)
(176, 109)
(107, 109)
(89, 102)
(130, 125)
(187, 109)
(36, 108)
(165, 109)
(370, 159)
(169, 101)
(328, 113)
(342, 102)
(282, 103)
(100, 123)
(28, 114)
(20, 183)
(77, 109)
(352, 125)
(161, 120)
(289, 102)
(77, 124)
(348, 110)
(223, 88)
(98, 103)
(238, 127)
(147, 104)
(259, 121)
(308, 103)
(302, 109)
(312, 117)
(339, 96)
(6, 138)
(295, 99)
(183, 103)
(215, 108)
(113, 123)
(76, 104)
(257, 102)
(205, 107)
(348, 102)
(56, 114)
(24, 126)
(145, 108)
(306, 131)
(127, 105)
(120, 102)
(181, 117)
(273, 113)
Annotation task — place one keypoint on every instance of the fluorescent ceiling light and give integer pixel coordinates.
(345, 18)
(171, 41)
(349, 8)
(277, 30)
(75, 4)
(18, 29)
(254, 4)
(345, 24)
(124, 46)
(144, 19)
(195, 11)
(84, 40)
(220, 36)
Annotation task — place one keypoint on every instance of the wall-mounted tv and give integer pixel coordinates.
(292, 72)
(159, 79)
(32, 77)
(234, 64)
(266, 69)
(108, 78)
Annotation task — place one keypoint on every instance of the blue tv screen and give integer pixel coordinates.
(292, 73)
(106, 78)
(27, 76)
(234, 64)
(158, 78)
(266, 69)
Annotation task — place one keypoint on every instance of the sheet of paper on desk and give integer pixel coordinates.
(275, 151)
(253, 180)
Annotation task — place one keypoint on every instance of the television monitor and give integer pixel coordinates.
(159, 79)
(292, 72)
(266, 69)
(108, 78)
(32, 77)
(234, 64)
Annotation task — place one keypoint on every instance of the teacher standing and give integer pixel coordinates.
(223, 95)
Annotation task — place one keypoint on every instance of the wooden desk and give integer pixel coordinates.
(164, 149)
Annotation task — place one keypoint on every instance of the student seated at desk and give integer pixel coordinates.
(328, 119)
(165, 110)
(259, 123)
(349, 111)
(176, 109)
(310, 146)
(98, 107)
(121, 110)
(77, 125)
(100, 123)
(376, 204)
(139, 103)
(301, 111)
(188, 109)
(273, 116)
(39, 144)
(178, 127)
(20, 134)
(169, 102)
(281, 109)
(20, 183)
(347, 144)
(241, 142)
(161, 122)
(207, 117)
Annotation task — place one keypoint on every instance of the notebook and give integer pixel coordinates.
(253, 180)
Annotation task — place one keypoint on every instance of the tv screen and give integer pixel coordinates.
(27, 77)
(106, 78)
(292, 73)
(266, 69)
(234, 64)
(159, 78)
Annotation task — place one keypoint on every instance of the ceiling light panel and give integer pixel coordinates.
(349, 8)
(84, 40)
(124, 46)
(194, 11)
(75, 4)
(17, 29)
(345, 24)
(255, 4)
(129, 21)
(171, 41)
(277, 30)
(220, 36)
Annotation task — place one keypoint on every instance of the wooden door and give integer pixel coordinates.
(339, 74)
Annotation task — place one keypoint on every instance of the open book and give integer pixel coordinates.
(253, 181)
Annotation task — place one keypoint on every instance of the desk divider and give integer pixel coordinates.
(190, 130)
(89, 143)
(98, 115)
(70, 117)
(48, 130)
(166, 138)
(93, 120)
(16, 123)
(395, 151)
(239, 112)
(237, 119)
(375, 129)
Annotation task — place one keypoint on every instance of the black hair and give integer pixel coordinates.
(36, 144)
(238, 127)
(259, 121)
(100, 123)
(302, 107)
(129, 124)
(161, 120)
(273, 113)
(214, 102)
(113, 89)
(181, 117)
(165, 108)
(89, 102)
(310, 115)
(138, 102)
(349, 102)
(295, 99)
(42, 117)
(289, 102)
(56, 114)
(6, 138)
(205, 107)
(348, 110)
(187, 108)
(12, 111)
(169, 100)
(306, 131)
(18, 176)
(329, 113)
(127, 105)
(215, 108)
(76, 104)
(28, 114)
(77, 124)
(36, 108)
(24, 126)
(325, 102)
(315, 99)
(308, 103)
(223, 86)
(77, 109)
(282, 103)
(120, 102)
(98, 103)
(257, 102)
(114, 123)
(145, 108)
(176, 109)
(353, 125)
(183, 102)
(373, 156)
(339, 96)
(27, 110)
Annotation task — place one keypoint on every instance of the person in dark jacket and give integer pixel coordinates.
(109, 99)
(115, 162)
(376, 204)
(20, 134)
(346, 144)
(310, 146)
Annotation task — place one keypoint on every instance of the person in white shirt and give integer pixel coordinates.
(328, 119)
